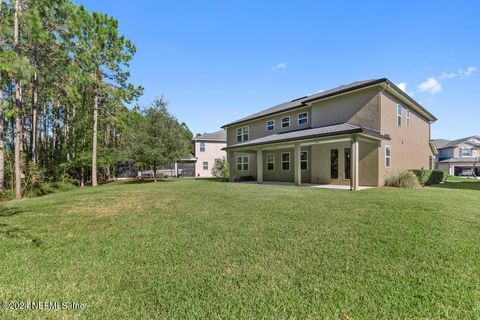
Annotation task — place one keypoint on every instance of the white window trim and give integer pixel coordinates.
(241, 129)
(470, 152)
(281, 122)
(203, 165)
(298, 118)
(282, 162)
(204, 147)
(303, 160)
(273, 161)
(242, 163)
(399, 106)
(407, 117)
(390, 156)
(266, 125)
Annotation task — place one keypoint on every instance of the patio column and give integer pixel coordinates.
(296, 164)
(355, 164)
(259, 166)
(231, 165)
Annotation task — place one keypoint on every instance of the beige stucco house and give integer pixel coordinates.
(207, 148)
(459, 157)
(355, 134)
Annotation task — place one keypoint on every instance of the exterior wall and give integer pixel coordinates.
(358, 108)
(446, 153)
(445, 167)
(213, 150)
(257, 128)
(410, 148)
(456, 151)
(252, 165)
(368, 163)
(281, 175)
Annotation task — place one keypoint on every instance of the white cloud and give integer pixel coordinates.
(431, 85)
(280, 66)
(446, 75)
(467, 72)
(403, 86)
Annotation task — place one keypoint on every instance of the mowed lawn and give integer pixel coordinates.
(203, 249)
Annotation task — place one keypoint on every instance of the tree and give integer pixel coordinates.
(220, 168)
(159, 138)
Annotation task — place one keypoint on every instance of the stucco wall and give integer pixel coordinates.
(281, 175)
(213, 150)
(410, 147)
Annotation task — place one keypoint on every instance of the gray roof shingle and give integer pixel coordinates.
(299, 102)
(443, 143)
(342, 128)
(220, 135)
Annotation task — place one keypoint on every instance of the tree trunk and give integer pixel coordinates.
(2, 153)
(154, 173)
(34, 136)
(45, 132)
(82, 177)
(94, 141)
(18, 115)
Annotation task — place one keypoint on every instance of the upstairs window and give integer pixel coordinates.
(302, 118)
(407, 117)
(270, 162)
(242, 163)
(388, 156)
(202, 146)
(466, 152)
(286, 122)
(270, 125)
(399, 115)
(286, 161)
(242, 134)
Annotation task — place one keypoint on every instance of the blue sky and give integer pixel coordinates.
(216, 61)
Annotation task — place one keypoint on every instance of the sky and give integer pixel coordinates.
(217, 61)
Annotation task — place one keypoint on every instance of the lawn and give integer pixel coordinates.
(203, 249)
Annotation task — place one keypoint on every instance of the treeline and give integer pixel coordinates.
(64, 87)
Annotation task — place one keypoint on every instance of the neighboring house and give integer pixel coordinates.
(459, 157)
(354, 134)
(207, 148)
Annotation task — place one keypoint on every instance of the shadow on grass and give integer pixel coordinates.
(213, 179)
(14, 232)
(459, 185)
(143, 181)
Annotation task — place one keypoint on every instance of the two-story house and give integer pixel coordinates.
(207, 148)
(354, 134)
(459, 157)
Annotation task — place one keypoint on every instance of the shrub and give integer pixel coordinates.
(245, 178)
(220, 168)
(404, 179)
(429, 177)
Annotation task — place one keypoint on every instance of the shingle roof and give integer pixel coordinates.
(462, 159)
(442, 143)
(220, 135)
(342, 128)
(299, 102)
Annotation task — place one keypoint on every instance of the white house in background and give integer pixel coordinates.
(207, 148)
(459, 157)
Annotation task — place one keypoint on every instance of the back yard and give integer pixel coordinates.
(204, 249)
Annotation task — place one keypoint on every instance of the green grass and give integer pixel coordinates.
(201, 249)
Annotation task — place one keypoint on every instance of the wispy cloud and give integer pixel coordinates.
(447, 75)
(431, 85)
(280, 66)
(403, 87)
(466, 73)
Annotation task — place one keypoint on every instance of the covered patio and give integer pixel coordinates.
(340, 155)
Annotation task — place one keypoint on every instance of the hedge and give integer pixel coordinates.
(429, 177)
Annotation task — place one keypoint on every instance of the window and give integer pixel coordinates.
(304, 160)
(202, 146)
(466, 152)
(205, 165)
(270, 162)
(242, 163)
(388, 156)
(242, 134)
(334, 164)
(399, 115)
(302, 118)
(348, 163)
(407, 117)
(270, 125)
(286, 122)
(286, 161)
